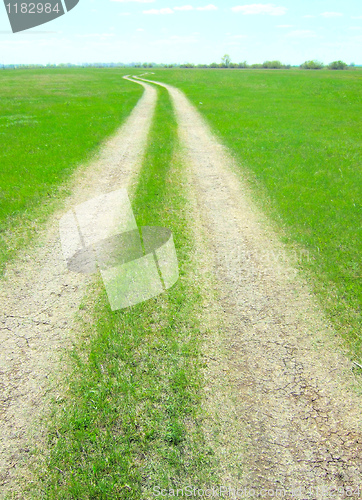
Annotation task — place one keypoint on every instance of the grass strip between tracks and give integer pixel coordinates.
(131, 419)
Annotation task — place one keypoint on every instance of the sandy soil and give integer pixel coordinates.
(285, 408)
(39, 298)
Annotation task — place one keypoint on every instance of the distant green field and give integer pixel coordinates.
(50, 121)
(297, 137)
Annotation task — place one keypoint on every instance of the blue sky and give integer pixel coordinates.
(191, 31)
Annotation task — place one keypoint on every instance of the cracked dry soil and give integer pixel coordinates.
(284, 406)
(39, 298)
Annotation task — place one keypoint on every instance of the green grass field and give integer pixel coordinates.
(131, 417)
(297, 138)
(50, 121)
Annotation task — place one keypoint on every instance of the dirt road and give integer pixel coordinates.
(283, 411)
(39, 297)
(283, 394)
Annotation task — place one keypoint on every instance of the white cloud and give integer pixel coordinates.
(260, 8)
(332, 14)
(167, 10)
(96, 35)
(301, 34)
(207, 7)
(176, 40)
(308, 16)
(238, 37)
(284, 26)
(356, 17)
(355, 28)
(140, 29)
(138, 1)
(184, 7)
(183, 39)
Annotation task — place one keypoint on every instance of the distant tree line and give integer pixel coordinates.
(241, 65)
(225, 63)
(320, 65)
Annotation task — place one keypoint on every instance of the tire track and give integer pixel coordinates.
(39, 298)
(278, 383)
